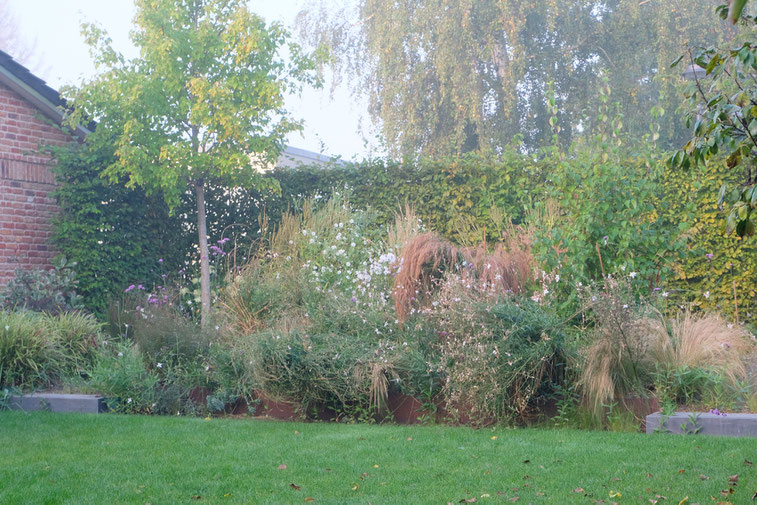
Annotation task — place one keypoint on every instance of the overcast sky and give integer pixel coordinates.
(61, 57)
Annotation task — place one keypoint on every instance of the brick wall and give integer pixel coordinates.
(26, 181)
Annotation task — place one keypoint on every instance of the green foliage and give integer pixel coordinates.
(121, 375)
(77, 338)
(41, 349)
(721, 107)
(500, 358)
(52, 291)
(114, 234)
(464, 198)
(25, 353)
(202, 105)
(445, 77)
(719, 270)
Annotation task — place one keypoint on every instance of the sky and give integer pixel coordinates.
(52, 29)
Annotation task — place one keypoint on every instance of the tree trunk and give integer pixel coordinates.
(204, 259)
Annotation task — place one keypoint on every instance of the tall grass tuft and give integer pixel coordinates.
(424, 261)
(701, 341)
(27, 358)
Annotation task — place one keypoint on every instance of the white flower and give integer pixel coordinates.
(128, 400)
(207, 368)
(625, 306)
(7, 327)
(348, 264)
(291, 242)
(632, 275)
(311, 241)
(557, 278)
(160, 365)
(664, 294)
(706, 294)
(120, 355)
(623, 268)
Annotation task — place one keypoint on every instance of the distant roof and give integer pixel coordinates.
(293, 157)
(33, 89)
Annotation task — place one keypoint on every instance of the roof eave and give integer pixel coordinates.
(44, 105)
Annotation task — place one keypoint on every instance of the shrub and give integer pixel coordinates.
(52, 291)
(499, 354)
(120, 374)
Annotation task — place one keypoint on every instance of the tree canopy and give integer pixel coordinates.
(444, 76)
(202, 104)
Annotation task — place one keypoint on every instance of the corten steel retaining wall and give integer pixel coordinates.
(26, 183)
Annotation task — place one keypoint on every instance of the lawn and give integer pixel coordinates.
(82, 459)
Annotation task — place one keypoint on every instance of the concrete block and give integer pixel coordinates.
(59, 403)
(701, 423)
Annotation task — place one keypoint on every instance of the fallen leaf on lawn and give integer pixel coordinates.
(542, 467)
(328, 469)
(615, 494)
(375, 466)
(363, 476)
(539, 493)
(650, 475)
(197, 497)
(309, 499)
(494, 437)
(500, 493)
(354, 488)
(683, 501)
(488, 472)
(681, 471)
(468, 500)
(295, 487)
(652, 501)
(282, 467)
(485, 495)
(754, 496)
(526, 461)
(615, 479)
(526, 477)
(578, 490)
(409, 439)
(747, 462)
(296, 432)
(227, 495)
(515, 498)
(733, 479)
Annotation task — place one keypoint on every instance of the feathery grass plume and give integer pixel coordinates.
(700, 340)
(424, 261)
(406, 226)
(616, 361)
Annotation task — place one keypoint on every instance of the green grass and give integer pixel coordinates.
(91, 459)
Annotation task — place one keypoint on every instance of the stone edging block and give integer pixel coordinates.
(700, 423)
